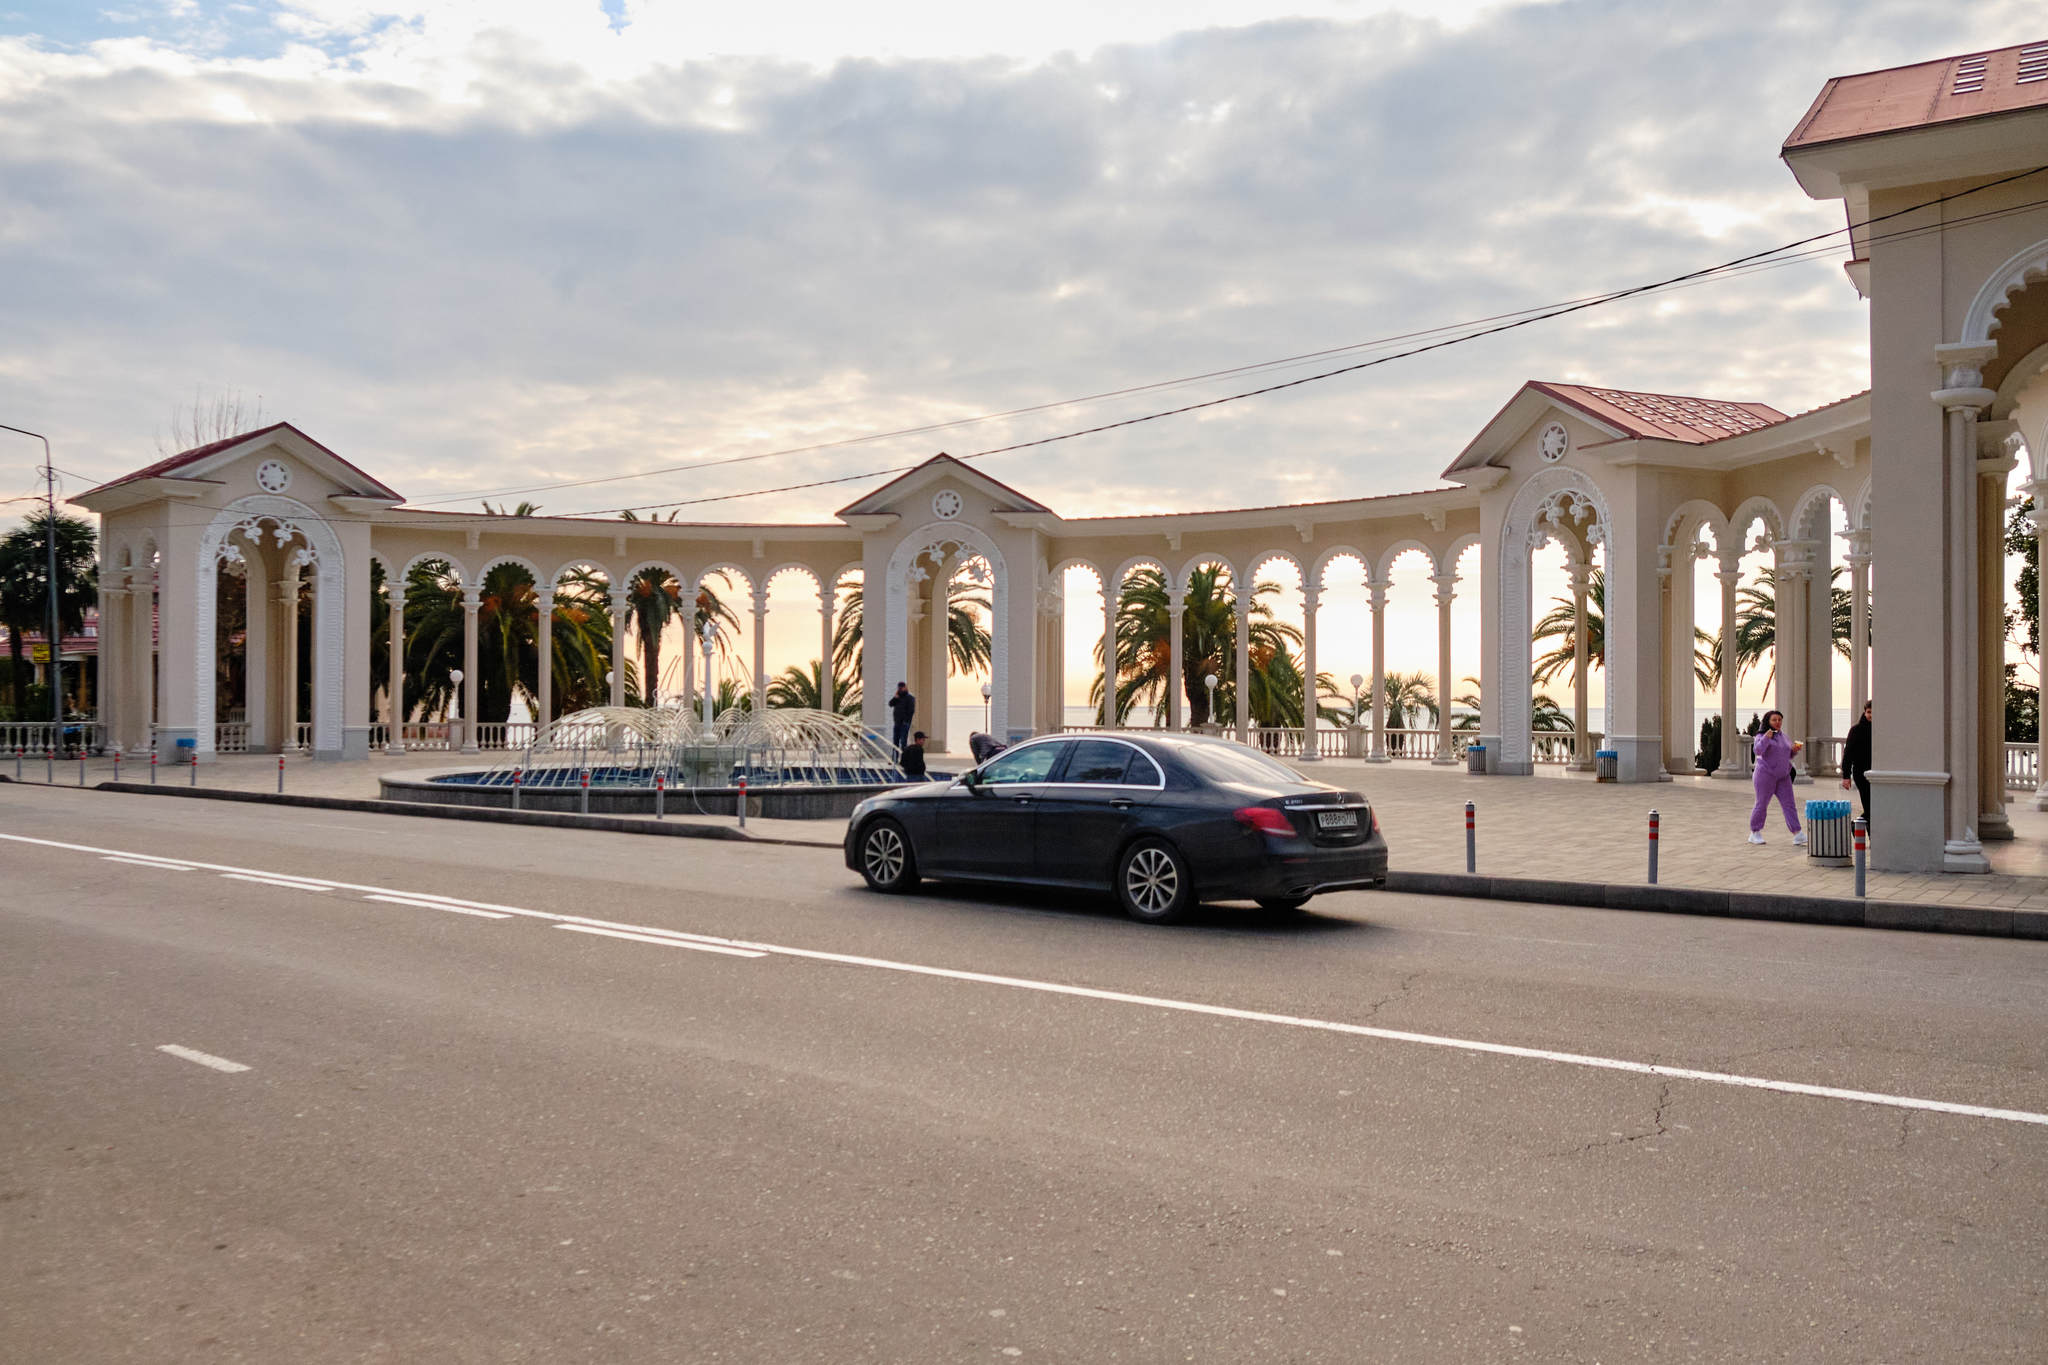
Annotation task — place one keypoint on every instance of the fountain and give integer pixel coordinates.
(797, 764)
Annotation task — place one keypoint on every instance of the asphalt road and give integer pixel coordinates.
(963, 1127)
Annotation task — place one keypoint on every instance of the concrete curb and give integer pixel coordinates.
(1922, 917)
(678, 828)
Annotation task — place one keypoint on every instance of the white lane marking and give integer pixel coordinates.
(149, 862)
(1215, 1011)
(419, 904)
(292, 883)
(663, 939)
(203, 1058)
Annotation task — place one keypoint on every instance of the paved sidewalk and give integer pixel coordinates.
(1554, 826)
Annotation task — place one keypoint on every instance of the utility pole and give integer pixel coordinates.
(54, 635)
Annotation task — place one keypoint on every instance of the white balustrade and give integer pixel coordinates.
(231, 737)
(36, 736)
(2022, 767)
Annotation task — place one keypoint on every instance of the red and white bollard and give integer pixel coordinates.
(660, 789)
(152, 767)
(195, 767)
(743, 800)
(515, 789)
(1471, 840)
(1862, 830)
(1653, 847)
(585, 798)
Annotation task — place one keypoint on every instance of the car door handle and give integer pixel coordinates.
(1122, 803)
(1021, 800)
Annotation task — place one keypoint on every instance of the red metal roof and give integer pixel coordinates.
(1973, 85)
(183, 458)
(1664, 416)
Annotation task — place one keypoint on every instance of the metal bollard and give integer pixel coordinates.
(81, 767)
(660, 787)
(117, 763)
(280, 774)
(1862, 828)
(195, 769)
(50, 763)
(1653, 846)
(743, 800)
(1471, 842)
(515, 789)
(17, 763)
(585, 798)
(152, 767)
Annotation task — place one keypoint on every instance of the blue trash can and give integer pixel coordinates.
(1828, 833)
(1475, 758)
(1606, 765)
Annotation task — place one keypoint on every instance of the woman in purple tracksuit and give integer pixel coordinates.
(1774, 777)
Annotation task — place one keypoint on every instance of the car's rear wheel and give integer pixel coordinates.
(1282, 903)
(1153, 884)
(886, 859)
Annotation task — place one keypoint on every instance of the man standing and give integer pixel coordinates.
(902, 707)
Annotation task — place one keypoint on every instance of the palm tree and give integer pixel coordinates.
(508, 620)
(1561, 622)
(1209, 645)
(1756, 624)
(25, 586)
(804, 688)
(969, 646)
(1546, 717)
(1468, 703)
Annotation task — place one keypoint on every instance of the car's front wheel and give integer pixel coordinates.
(886, 859)
(1153, 884)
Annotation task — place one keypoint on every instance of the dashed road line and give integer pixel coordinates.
(419, 903)
(289, 883)
(203, 1058)
(665, 940)
(158, 864)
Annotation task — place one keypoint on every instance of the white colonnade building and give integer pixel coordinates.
(1911, 475)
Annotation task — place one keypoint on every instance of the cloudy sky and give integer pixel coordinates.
(490, 244)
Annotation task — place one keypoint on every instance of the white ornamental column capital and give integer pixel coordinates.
(472, 600)
(1376, 589)
(760, 595)
(1446, 587)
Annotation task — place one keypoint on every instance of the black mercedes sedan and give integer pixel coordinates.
(1165, 821)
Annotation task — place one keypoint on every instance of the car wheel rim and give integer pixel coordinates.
(1152, 881)
(885, 855)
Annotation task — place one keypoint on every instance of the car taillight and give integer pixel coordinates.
(1372, 818)
(1265, 819)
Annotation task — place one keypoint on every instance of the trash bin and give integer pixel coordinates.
(1605, 764)
(185, 748)
(1828, 833)
(1475, 758)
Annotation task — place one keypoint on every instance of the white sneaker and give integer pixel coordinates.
(1755, 838)
(1799, 839)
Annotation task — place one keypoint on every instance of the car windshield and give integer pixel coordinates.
(1229, 763)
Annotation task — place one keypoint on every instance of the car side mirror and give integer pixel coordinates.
(972, 781)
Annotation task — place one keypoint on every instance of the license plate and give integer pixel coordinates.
(1337, 819)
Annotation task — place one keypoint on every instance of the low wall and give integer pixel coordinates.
(768, 803)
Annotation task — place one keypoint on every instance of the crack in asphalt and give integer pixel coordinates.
(1400, 992)
(1657, 1128)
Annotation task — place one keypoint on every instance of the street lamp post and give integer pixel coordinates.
(455, 678)
(1357, 682)
(987, 691)
(709, 635)
(1211, 682)
(56, 637)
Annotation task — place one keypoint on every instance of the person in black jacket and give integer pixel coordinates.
(902, 707)
(912, 761)
(1856, 759)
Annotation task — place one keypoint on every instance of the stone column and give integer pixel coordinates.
(2037, 489)
(1960, 400)
(760, 649)
(1859, 621)
(828, 602)
(1445, 583)
(690, 649)
(1176, 654)
(622, 605)
(931, 686)
(1377, 589)
(1580, 576)
(544, 657)
(1109, 602)
(288, 651)
(140, 713)
(1793, 564)
(258, 648)
(394, 743)
(472, 600)
(1244, 664)
(113, 659)
(1311, 599)
(1730, 575)
(1994, 467)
